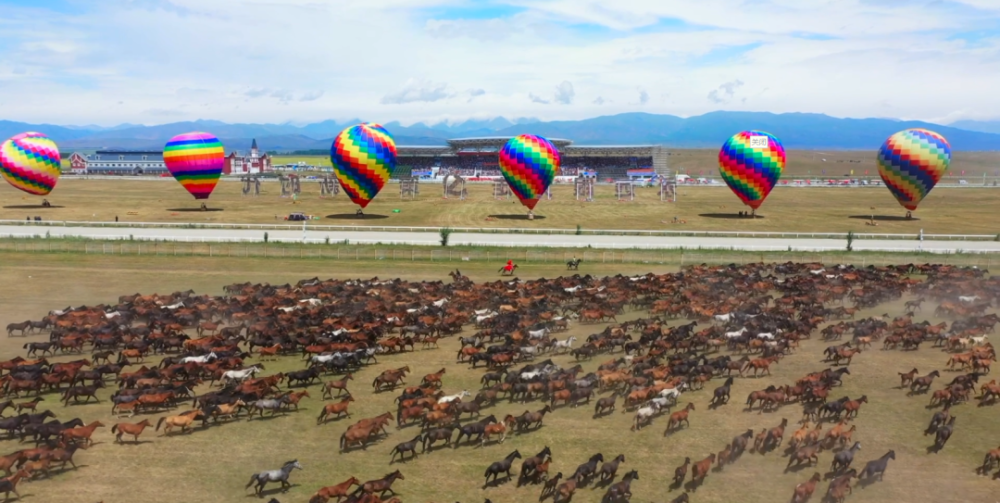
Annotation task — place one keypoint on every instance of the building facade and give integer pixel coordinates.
(252, 164)
(119, 162)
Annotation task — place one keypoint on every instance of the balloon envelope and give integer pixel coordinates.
(364, 157)
(751, 162)
(30, 162)
(911, 163)
(196, 161)
(529, 163)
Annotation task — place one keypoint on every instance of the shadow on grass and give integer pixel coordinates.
(517, 216)
(31, 207)
(193, 210)
(729, 216)
(355, 216)
(884, 218)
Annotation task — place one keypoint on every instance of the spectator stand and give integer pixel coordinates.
(409, 188)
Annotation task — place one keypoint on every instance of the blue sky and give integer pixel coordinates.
(156, 61)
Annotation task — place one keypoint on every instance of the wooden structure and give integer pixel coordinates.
(409, 188)
(290, 186)
(584, 188)
(454, 186)
(624, 190)
(668, 190)
(501, 190)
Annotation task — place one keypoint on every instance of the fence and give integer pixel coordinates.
(424, 254)
(500, 230)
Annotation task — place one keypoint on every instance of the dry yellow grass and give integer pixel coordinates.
(944, 211)
(214, 465)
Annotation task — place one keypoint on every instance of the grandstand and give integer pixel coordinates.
(477, 158)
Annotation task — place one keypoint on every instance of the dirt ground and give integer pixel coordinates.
(213, 465)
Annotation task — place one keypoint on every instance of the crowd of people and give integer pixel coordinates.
(470, 166)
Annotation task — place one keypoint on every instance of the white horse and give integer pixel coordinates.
(324, 358)
(671, 394)
(968, 298)
(573, 289)
(452, 398)
(199, 359)
(240, 375)
(287, 310)
(566, 344)
(723, 318)
(817, 272)
(481, 312)
(440, 303)
(311, 302)
(280, 475)
(530, 351)
(109, 316)
(979, 341)
(538, 334)
(766, 336)
(174, 306)
(733, 335)
(644, 415)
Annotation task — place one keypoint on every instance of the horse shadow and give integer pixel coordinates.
(693, 485)
(830, 475)
(799, 467)
(675, 485)
(273, 491)
(934, 449)
(863, 483)
(137, 442)
(716, 405)
(601, 484)
(497, 482)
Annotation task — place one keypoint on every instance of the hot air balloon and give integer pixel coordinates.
(196, 161)
(364, 157)
(30, 162)
(911, 162)
(529, 163)
(751, 163)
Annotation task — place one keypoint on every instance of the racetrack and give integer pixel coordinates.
(502, 240)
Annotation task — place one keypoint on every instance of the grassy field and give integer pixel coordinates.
(944, 211)
(213, 465)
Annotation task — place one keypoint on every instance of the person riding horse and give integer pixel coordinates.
(508, 268)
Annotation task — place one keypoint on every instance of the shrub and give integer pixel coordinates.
(445, 234)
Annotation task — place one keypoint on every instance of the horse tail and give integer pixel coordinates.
(253, 478)
(322, 412)
(160, 422)
(343, 440)
(114, 429)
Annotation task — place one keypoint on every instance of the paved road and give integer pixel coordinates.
(515, 240)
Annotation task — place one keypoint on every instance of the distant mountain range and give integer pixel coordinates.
(796, 130)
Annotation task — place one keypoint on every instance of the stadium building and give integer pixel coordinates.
(119, 162)
(477, 159)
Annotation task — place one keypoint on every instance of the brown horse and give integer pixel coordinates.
(380, 486)
(433, 379)
(338, 491)
(906, 378)
(679, 417)
(700, 470)
(805, 490)
(340, 386)
(81, 433)
(182, 421)
(335, 409)
(135, 430)
(9, 485)
(761, 365)
(500, 428)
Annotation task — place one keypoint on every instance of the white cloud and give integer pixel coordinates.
(311, 96)
(415, 90)
(843, 58)
(565, 93)
(643, 96)
(725, 92)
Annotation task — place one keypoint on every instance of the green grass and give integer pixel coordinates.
(214, 465)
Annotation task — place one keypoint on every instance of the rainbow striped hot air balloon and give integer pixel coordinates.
(364, 157)
(911, 163)
(529, 163)
(30, 162)
(751, 163)
(196, 161)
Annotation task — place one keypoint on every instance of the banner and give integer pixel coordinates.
(421, 173)
(641, 172)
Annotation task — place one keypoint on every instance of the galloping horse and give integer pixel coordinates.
(508, 270)
(279, 475)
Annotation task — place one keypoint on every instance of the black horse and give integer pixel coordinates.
(721, 394)
(877, 467)
(573, 264)
(498, 467)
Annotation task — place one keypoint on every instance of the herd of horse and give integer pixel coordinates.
(694, 326)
